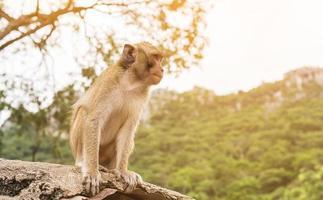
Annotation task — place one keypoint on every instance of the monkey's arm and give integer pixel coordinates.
(90, 167)
(125, 143)
(91, 140)
(91, 145)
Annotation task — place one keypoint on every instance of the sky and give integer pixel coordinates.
(255, 41)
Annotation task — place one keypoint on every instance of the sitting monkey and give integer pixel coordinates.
(105, 118)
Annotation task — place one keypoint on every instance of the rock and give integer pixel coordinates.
(38, 180)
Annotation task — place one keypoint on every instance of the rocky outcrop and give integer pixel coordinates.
(304, 75)
(37, 180)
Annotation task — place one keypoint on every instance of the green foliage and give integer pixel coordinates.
(200, 144)
(307, 186)
(37, 136)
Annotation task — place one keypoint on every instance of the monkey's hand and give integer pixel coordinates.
(92, 182)
(131, 178)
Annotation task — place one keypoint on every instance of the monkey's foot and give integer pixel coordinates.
(103, 169)
(132, 179)
(92, 183)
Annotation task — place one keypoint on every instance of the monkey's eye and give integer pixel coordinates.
(150, 65)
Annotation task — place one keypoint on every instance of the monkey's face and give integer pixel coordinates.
(145, 61)
(154, 69)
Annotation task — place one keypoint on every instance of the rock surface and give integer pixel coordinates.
(37, 180)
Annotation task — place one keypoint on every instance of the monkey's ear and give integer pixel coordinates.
(129, 54)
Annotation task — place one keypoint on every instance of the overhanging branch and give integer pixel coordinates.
(45, 19)
(6, 16)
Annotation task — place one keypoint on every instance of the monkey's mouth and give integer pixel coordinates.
(157, 76)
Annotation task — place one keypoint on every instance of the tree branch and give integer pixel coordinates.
(6, 16)
(23, 35)
(16, 23)
(46, 19)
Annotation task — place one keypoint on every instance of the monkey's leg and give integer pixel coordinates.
(107, 157)
(90, 167)
(125, 144)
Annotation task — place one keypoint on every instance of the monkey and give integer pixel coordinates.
(105, 118)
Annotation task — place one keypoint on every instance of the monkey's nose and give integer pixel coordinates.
(162, 69)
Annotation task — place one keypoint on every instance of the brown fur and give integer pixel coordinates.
(105, 119)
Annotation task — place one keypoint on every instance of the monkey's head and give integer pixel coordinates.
(145, 61)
